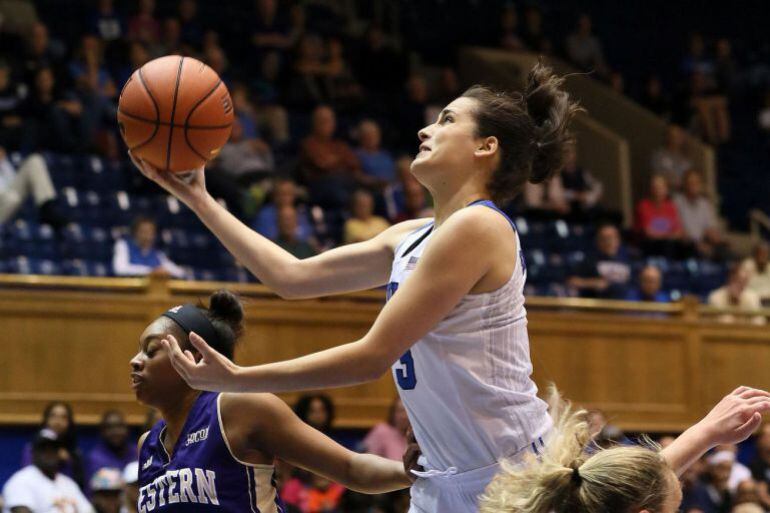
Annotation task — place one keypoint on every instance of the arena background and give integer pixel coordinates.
(652, 357)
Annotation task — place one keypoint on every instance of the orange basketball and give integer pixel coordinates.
(175, 113)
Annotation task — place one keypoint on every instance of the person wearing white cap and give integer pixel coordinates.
(130, 488)
(106, 489)
(739, 472)
(40, 487)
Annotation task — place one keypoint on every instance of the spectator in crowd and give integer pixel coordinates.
(584, 49)
(509, 38)
(58, 417)
(317, 410)
(657, 221)
(363, 225)
(379, 66)
(725, 67)
(32, 178)
(377, 164)
(699, 218)
(138, 255)
(713, 494)
(607, 272)
(763, 119)
(144, 27)
(307, 85)
(747, 495)
(42, 52)
(11, 98)
(546, 200)
(96, 91)
(671, 160)
(130, 495)
(388, 439)
(736, 294)
(696, 59)
(52, 117)
(738, 471)
(106, 487)
(171, 39)
(650, 287)
(192, 31)
(708, 113)
(533, 34)
(580, 189)
(138, 56)
(760, 465)
(270, 29)
(405, 199)
(284, 194)
(330, 167)
(414, 202)
(413, 112)
(344, 90)
(310, 493)
(245, 159)
(616, 82)
(602, 432)
(106, 22)
(757, 268)
(270, 112)
(288, 229)
(40, 487)
(114, 449)
(655, 99)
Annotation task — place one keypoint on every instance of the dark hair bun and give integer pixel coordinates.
(551, 109)
(226, 306)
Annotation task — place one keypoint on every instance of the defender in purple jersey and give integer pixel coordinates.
(214, 452)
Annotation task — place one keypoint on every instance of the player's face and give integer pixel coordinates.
(447, 146)
(153, 378)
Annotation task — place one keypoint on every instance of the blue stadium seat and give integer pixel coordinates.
(26, 265)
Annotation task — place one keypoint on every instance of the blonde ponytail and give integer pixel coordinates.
(565, 478)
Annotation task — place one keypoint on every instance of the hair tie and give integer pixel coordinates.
(577, 479)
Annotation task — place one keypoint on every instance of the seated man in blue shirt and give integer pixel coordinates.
(138, 256)
(606, 273)
(650, 282)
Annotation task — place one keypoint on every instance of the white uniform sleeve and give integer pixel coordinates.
(17, 492)
(121, 264)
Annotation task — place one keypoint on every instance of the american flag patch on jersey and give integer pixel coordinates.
(411, 263)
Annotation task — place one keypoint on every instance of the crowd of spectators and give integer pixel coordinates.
(729, 479)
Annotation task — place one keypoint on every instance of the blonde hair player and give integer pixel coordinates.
(455, 331)
(568, 478)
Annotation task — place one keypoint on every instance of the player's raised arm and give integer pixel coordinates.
(731, 421)
(460, 256)
(264, 423)
(360, 266)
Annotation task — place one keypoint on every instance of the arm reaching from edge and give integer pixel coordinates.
(732, 420)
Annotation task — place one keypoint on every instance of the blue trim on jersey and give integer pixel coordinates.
(491, 204)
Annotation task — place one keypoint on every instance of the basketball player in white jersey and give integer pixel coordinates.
(454, 327)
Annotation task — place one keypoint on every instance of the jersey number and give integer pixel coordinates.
(405, 376)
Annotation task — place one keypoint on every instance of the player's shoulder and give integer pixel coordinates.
(252, 408)
(478, 223)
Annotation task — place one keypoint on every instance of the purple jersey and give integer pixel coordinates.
(202, 475)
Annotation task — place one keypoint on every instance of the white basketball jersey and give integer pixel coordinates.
(466, 385)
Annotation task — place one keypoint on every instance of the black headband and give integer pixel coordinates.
(190, 318)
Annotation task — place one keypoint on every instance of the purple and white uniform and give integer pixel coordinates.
(202, 475)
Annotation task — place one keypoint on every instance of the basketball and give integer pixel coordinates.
(175, 113)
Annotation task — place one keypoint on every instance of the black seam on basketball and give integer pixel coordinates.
(189, 114)
(157, 113)
(173, 110)
(175, 125)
